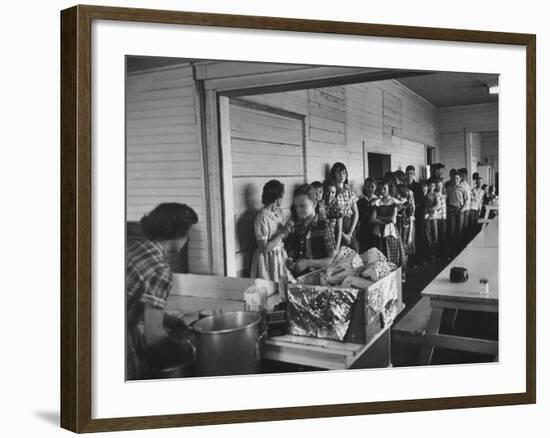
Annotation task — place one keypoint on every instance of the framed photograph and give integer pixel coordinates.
(269, 218)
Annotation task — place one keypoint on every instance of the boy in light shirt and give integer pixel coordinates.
(441, 219)
(467, 189)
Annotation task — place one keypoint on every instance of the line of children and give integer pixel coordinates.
(410, 222)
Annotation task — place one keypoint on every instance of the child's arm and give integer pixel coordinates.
(338, 236)
(436, 204)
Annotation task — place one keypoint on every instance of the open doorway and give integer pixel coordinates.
(379, 164)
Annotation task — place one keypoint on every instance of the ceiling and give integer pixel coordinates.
(140, 63)
(441, 88)
(450, 88)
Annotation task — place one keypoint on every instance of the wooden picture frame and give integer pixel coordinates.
(76, 217)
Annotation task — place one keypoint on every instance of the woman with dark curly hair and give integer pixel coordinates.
(268, 261)
(149, 280)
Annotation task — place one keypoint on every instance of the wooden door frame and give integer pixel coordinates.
(214, 95)
(226, 173)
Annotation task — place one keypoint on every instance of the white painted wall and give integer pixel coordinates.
(344, 123)
(458, 121)
(163, 153)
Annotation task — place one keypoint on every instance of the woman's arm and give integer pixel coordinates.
(384, 220)
(154, 324)
(303, 264)
(338, 236)
(276, 240)
(375, 219)
(354, 219)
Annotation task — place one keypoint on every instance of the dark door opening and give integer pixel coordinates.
(379, 164)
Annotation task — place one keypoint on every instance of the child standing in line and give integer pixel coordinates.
(476, 204)
(384, 218)
(270, 230)
(317, 189)
(455, 204)
(310, 244)
(333, 211)
(441, 219)
(431, 205)
(365, 208)
(405, 219)
(347, 198)
(467, 188)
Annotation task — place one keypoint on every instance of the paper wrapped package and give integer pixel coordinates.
(377, 270)
(373, 255)
(319, 311)
(346, 262)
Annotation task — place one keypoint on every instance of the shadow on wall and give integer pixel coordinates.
(244, 226)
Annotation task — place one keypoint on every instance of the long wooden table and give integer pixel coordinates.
(423, 324)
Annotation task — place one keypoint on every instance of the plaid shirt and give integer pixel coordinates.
(346, 198)
(148, 278)
(315, 241)
(333, 212)
(441, 212)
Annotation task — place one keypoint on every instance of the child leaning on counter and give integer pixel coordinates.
(310, 244)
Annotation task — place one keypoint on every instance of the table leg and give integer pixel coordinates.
(433, 329)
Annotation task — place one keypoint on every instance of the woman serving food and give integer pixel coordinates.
(149, 280)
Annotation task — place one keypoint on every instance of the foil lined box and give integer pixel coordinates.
(320, 311)
(372, 310)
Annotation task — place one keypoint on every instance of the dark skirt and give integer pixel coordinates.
(393, 249)
(135, 354)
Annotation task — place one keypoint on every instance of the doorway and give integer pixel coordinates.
(379, 164)
(260, 143)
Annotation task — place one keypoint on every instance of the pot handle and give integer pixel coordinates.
(262, 338)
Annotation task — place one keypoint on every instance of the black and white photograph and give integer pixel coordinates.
(293, 218)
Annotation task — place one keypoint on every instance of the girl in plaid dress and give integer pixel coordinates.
(333, 211)
(347, 199)
(385, 218)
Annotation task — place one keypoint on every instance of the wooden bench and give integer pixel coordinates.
(420, 326)
(413, 325)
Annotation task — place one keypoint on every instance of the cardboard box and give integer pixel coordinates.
(374, 308)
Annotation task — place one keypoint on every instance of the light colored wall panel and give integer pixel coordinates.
(458, 121)
(163, 151)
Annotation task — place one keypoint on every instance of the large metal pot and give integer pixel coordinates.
(228, 343)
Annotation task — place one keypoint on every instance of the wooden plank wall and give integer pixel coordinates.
(163, 153)
(344, 123)
(455, 122)
(264, 146)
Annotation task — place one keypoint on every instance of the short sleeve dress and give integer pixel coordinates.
(269, 265)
